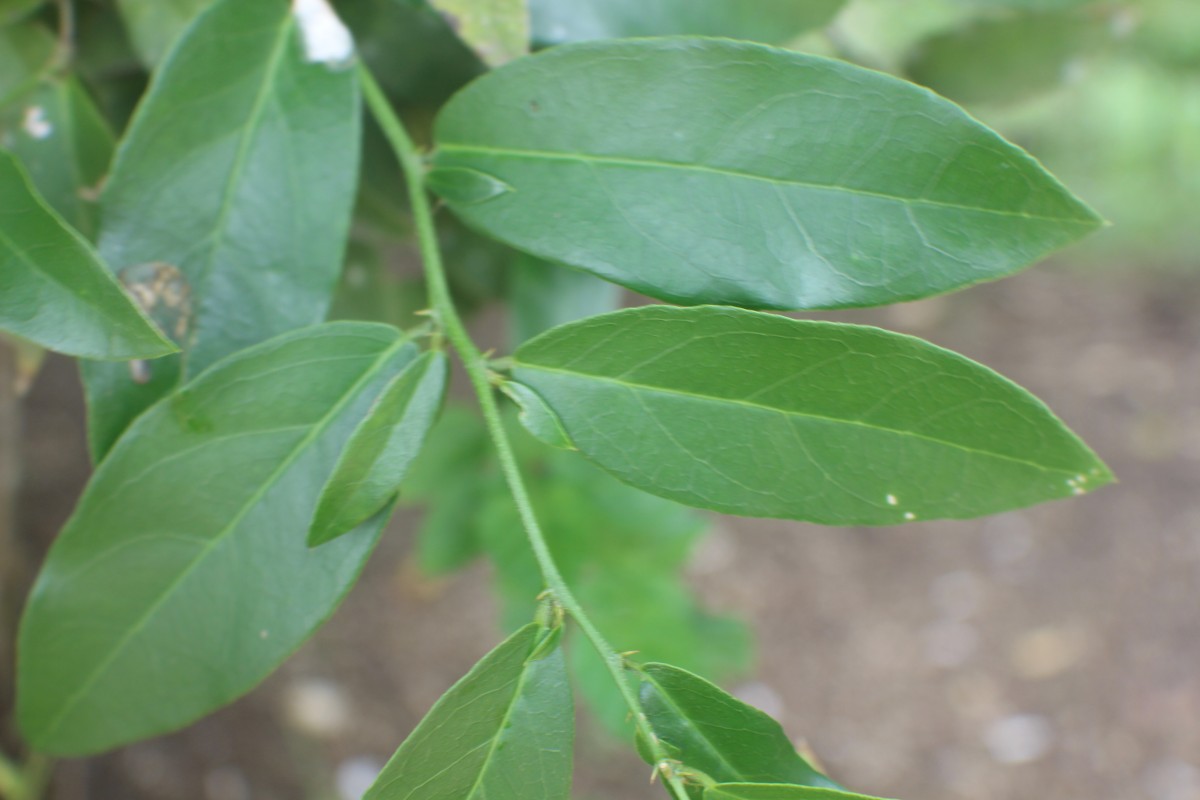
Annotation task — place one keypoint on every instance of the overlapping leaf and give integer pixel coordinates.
(154, 25)
(711, 731)
(239, 171)
(370, 469)
(705, 171)
(183, 579)
(760, 415)
(497, 30)
(774, 21)
(53, 288)
(503, 732)
(775, 791)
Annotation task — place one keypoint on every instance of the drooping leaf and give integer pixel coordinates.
(536, 416)
(370, 469)
(183, 579)
(542, 296)
(760, 415)
(772, 21)
(154, 25)
(1006, 59)
(776, 791)
(54, 290)
(712, 731)
(503, 732)
(497, 30)
(65, 146)
(238, 170)
(708, 171)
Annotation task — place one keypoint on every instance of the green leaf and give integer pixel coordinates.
(773, 21)
(183, 579)
(14, 10)
(154, 25)
(503, 732)
(711, 731)
(724, 172)
(66, 146)
(26, 50)
(760, 415)
(775, 791)
(53, 288)
(497, 30)
(1005, 60)
(541, 296)
(369, 472)
(239, 170)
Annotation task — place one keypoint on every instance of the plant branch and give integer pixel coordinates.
(477, 370)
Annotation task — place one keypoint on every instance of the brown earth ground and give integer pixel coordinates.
(1053, 652)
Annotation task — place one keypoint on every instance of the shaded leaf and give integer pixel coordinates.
(542, 296)
(497, 30)
(13, 10)
(26, 52)
(238, 169)
(370, 469)
(1007, 59)
(54, 290)
(712, 731)
(154, 25)
(65, 145)
(199, 515)
(760, 415)
(716, 171)
(504, 732)
(772, 21)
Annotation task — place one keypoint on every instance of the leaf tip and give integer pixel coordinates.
(465, 187)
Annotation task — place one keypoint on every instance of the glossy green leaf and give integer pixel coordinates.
(369, 472)
(773, 21)
(154, 25)
(497, 30)
(760, 415)
(711, 731)
(183, 579)
(1007, 59)
(541, 296)
(53, 288)
(775, 791)
(65, 145)
(503, 732)
(239, 170)
(715, 171)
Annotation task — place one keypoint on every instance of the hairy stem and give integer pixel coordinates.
(477, 370)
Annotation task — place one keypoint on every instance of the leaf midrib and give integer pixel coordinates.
(692, 725)
(318, 428)
(249, 130)
(635, 387)
(510, 152)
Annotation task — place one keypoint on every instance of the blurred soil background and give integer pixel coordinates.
(1050, 652)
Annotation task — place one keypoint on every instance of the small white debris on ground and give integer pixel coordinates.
(355, 776)
(317, 707)
(34, 123)
(326, 38)
(1019, 738)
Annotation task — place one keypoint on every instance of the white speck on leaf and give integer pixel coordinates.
(910, 516)
(326, 38)
(891, 500)
(35, 124)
